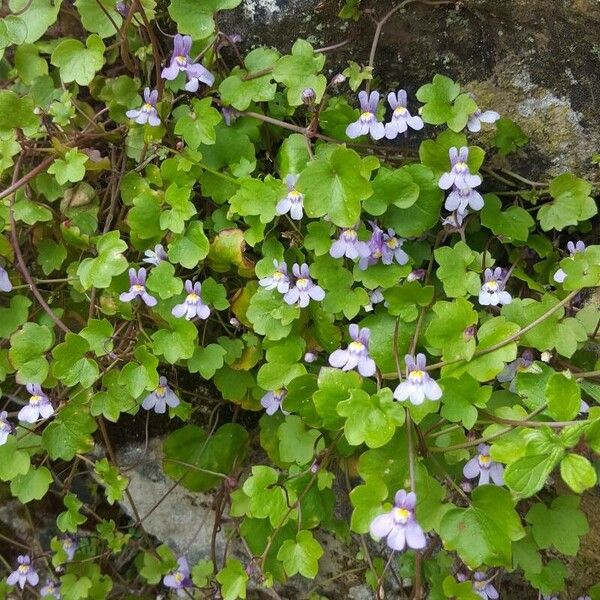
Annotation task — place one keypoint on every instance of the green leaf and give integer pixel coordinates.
(227, 251)
(270, 315)
(459, 591)
(563, 396)
(454, 264)
(551, 578)
(366, 500)
(32, 485)
(484, 532)
(190, 248)
(334, 185)
(71, 519)
(95, 19)
(207, 360)
(98, 333)
(559, 526)
(37, 15)
(110, 262)
(13, 462)
(72, 168)
(114, 483)
(509, 136)
(583, 269)
(392, 187)
(257, 197)
(157, 563)
(356, 74)
(510, 224)
(182, 209)
(198, 125)
(578, 473)
(572, 203)
(27, 352)
(334, 386)
(196, 18)
(51, 255)
(297, 443)
(434, 153)
(13, 31)
(14, 316)
(162, 281)
(77, 62)
(233, 579)
(293, 156)
(16, 112)
(461, 397)
(528, 474)
(301, 556)
(70, 364)
(266, 498)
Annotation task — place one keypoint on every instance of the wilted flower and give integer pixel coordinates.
(122, 9)
(137, 287)
(24, 573)
(399, 526)
(418, 384)
(162, 396)
(455, 220)
(293, 202)
(309, 96)
(479, 117)
(459, 175)
(310, 357)
(483, 466)
(392, 249)
(482, 586)
(401, 118)
(416, 275)
(70, 546)
(349, 245)
(147, 113)
(367, 122)
(5, 284)
(304, 288)
(229, 115)
(39, 405)
(492, 291)
(356, 356)
(280, 279)
(52, 588)
(376, 248)
(180, 579)
(462, 198)
(181, 62)
(5, 427)
(573, 249)
(192, 306)
(271, 401)
(156, 256)
(509, 373)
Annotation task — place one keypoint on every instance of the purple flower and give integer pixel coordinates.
(39, 405)
(479, 117)
(137, 287)
(160, 397)
(293, 203)
(229, 115)
(310, 357)
(309, 96)
(156, 256)
(399, 526)
(416, 275)
(5, 284)
(181, 62)
(5, 427)
(509, 373)
(401, 118)
(483, 466)
(192, 305)
(573, 249)
(367, 122)
(392, 249)
(180, 579)
(279, 280)
(482, 587)
(492, 291)
(122, 9)
(376, 296)
(271, 401)
(70, 546)
(418, 384)
(459, 175)
(349, 245)
(147, 113)
(52, 588)
(357, 353)
(304, 288)
(584, 598)
(376, 248)
(462, 198)
(24, 573)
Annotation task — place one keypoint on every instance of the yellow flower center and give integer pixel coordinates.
(160, 391)
(350, 234)
(485, 460)
(137, 287)
(356, 346)
(147, 107)
(492, 285)
(366, 116)
(460, 166)
(277, 275)
(417, 375)
(179, 576)
(401, 515)
(3, 426)
(376, 254)
(479, 585)
(400, 110)
(302, 282)
(295, 195)
(392, 243)
(181, 60)
(23, 569)
(192, 298)
(35, 400)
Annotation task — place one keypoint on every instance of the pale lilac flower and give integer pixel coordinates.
(309, 96)
(550, 597)
(376, 248)
(310, 357)
(459, 175)
(399, 526)
(156, 256)
(509, 373)
(271, 401)
(5, 427)
(418, 384)
(479, 117)
(147, 113)
(349, 245)
(573, 249)
(70, 546)
(454, 221)
(181, 62)
(192, 306)
(280, 279)
(376, 296)
(367, 122)
(5, 284)
(356, 356)
(401, 118)
(52, 588)
(482, 587)
(304, 289)
(24, 573)
(162, 396)
(584, 598)
(492, 291)
(483, 466)
(39, 405)
(137, 287)
(293, 202)
(179, 579)
(462, 198)
(392, 249)
(584, 408)
(416, 275)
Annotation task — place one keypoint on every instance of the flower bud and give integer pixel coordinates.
(469, 332)
(416, 275)
(546, 356)
(310, 357)
(309, 96)
(234, 322)
(122, 9)
(337, 79)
